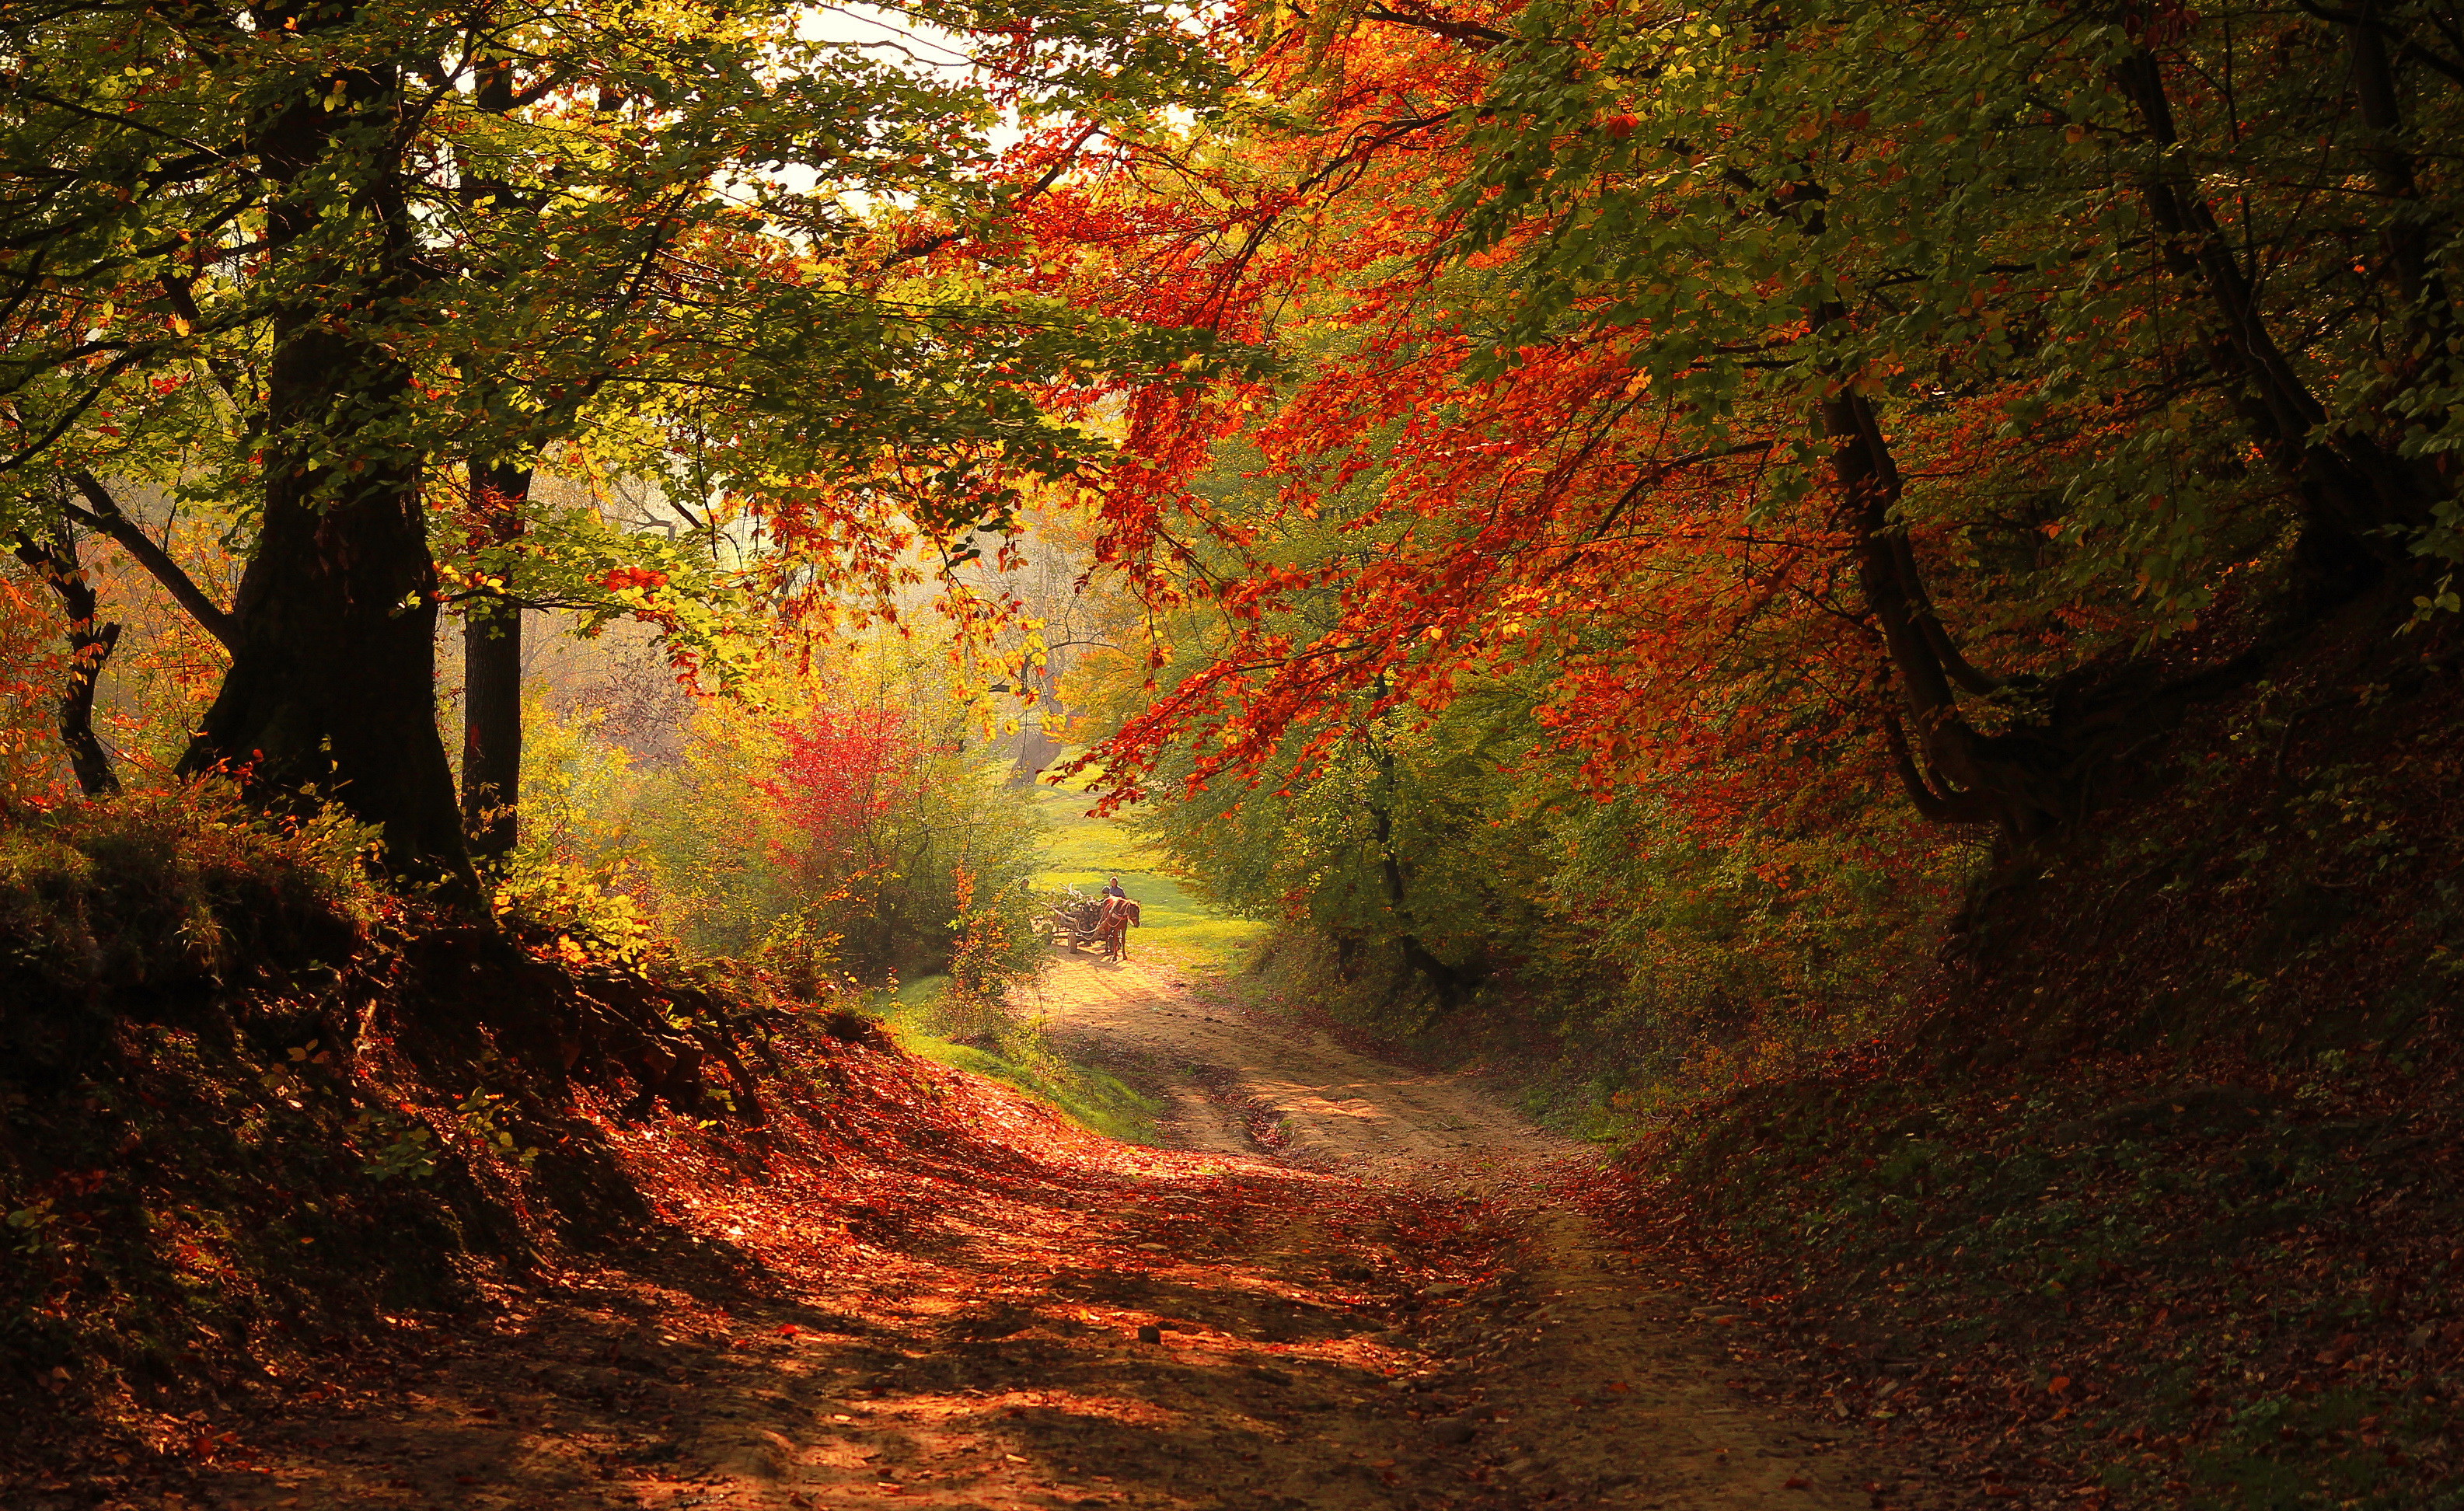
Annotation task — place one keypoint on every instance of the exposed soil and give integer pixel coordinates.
(1392, 1310)
(1234, 1081)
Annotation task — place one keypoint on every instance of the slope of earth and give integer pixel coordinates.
(2158, 1204)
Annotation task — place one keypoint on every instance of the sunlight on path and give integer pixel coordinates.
(1577, 1380)
(1315, 1102)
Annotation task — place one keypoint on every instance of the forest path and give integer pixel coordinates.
(993, 1311)
(1235, 1081)
(1587, 1382)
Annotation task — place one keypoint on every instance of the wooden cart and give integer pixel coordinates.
(1070, 921)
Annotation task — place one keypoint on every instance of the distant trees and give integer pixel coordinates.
(828, 825)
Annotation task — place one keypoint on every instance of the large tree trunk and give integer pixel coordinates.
(491, 683)
(2014, 780)
(332, 688)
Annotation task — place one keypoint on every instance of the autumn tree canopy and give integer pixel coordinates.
(1805, 399)
(314, 261)
(1813, 395)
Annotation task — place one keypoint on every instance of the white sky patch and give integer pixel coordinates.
(866, 26)
(926, 50)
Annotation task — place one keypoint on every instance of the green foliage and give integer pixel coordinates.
(1463, 870)
(708, 852)
(397, 1148)
(1083, 851)
(1658, 963)
(575, 904)
(180, 884)
(932, 1017)
(609, 242)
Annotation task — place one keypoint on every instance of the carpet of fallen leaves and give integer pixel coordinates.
(918, 1289)
(2153, 1281)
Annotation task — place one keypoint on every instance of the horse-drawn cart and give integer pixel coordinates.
(1072, 921)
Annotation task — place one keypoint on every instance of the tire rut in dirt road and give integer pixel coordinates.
(1217, 1066)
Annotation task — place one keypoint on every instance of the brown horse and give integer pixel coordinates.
(1112, 925)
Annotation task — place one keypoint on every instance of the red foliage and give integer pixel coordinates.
(623, 578)
(1547, 518)
(843, 767)
(34, 664)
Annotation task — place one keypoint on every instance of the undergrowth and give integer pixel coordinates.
(2155, 1202)
(1564, 1073)
(252, 1105)
(2169, 1279)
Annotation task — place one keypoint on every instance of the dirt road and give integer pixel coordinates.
(1233, 1082)
(1612, 1383)
(973, 1307)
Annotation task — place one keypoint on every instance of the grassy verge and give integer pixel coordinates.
(927, 1022)
(1565, 1075)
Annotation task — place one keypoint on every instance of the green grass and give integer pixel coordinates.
(1083, 851)
(925, 1022)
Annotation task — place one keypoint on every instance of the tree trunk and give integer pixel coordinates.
(2017, 781)
(332, 688)
(2364, 501)
(1036, 748)
(90, 645)
(491, 683)
(1450, 984)
(491, 624)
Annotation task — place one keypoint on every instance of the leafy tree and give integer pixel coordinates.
(1456, 864)
(1812, 396)
(54, 557)
(312, 257)
(825, 825)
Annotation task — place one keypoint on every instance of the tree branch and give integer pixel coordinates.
(1469, 33)
(104, 516)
